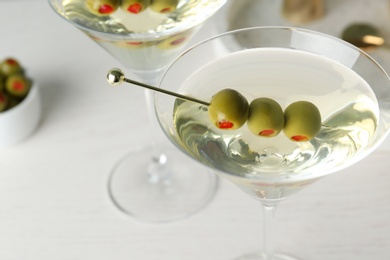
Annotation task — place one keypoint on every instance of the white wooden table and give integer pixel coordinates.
(53, 196)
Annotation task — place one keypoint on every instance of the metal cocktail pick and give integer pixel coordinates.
(116, 77)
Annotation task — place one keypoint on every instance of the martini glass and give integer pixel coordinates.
(155, 183)
(351, 91)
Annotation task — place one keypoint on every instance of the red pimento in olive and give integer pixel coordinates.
(267, 132)
(173, 41)
(135, 6)
(9, 66)
(102, 7)
(106, 9)
(164, 6)
(228, 109)
(17, 85)
(225, 124)
(132, 45)
(135, 43)
(178, 41)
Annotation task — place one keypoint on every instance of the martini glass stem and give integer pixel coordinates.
(156, 171)
(269, 222)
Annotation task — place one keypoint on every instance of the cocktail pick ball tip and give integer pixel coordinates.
(115, 76)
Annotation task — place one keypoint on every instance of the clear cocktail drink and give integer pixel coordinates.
(153, 182)
(348, 88)
(348, 107)
(141, 39)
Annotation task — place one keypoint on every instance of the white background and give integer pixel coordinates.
(53, 197)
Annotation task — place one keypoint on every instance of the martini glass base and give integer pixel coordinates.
(260, 256)
(160, 188)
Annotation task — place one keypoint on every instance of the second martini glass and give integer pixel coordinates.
(290, 66)
(154, 183)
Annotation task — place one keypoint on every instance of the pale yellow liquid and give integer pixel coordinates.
(277, 167)
(143, 41)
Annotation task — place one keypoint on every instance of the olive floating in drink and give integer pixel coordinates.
(17, 85)
(102, 7)
(10, 66)
(173, 41)
(302, 121)
(133, 44)
(164, 6)
(228, 109)
(266, 117)
(134, 6)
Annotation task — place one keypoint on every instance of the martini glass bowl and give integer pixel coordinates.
(288, 65)
(155, 183)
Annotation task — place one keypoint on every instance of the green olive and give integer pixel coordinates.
(134, 6)
(164, 6)
(102, 7)
(302, 121)
(3, 101)
(228, 109)
(266, 117)
(17, 85)
(173, 41)
(10, 66)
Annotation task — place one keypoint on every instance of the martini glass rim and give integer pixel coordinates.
(288, 28)
(285, 176)
(147, 35)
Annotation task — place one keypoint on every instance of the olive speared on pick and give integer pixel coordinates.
(230, 110)
(116, 77)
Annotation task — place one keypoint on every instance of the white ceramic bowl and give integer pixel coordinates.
(20, 121)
